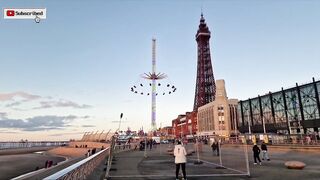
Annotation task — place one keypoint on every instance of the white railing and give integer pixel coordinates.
(81, 169)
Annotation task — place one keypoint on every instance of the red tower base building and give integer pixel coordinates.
(185, 125)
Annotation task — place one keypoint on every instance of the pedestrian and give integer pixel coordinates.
(88, 153)
(218, 148)
(154, 144)
(141, 147)
(50, 164)
(46, 164)
(180, 159)
(256, 154)
(150, 143)
(264, 152)
(214, 147)
(308, 140)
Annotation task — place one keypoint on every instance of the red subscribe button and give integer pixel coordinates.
(10, 12)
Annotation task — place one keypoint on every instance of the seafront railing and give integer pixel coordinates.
(12, 145)
(81, 169)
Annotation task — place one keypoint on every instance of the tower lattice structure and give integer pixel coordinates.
(205, 86)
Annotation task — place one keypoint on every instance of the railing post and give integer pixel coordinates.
(111, 149)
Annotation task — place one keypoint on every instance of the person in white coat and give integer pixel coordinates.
(180, 159)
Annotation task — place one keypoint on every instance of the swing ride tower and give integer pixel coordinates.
(153, 77)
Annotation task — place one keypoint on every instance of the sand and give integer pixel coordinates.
(69, 152)
(15, 162)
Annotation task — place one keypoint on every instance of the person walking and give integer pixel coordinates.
(180, 159)
(218, 148)
(46, 164)
(256, 154)
(264, 152)
(214, 147)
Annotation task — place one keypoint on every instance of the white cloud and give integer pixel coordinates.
(61, 103)
(38, 123)
(25, 96)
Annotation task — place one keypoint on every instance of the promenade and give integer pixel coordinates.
(160, 165)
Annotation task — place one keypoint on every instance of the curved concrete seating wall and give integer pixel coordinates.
(89, 144)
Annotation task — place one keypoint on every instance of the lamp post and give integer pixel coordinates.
(190, 128)
(121, 115)
(249, 123)
(174, 130)
(264, 125)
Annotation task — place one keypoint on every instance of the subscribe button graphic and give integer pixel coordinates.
(13, 13)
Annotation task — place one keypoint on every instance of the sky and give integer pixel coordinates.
(72, 72)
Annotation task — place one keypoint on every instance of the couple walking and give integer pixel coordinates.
(256, 153)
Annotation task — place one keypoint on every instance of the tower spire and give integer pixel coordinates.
(205, 84)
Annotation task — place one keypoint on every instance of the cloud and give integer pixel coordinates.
(63, 134)
(17, 99)
(14, 104)
(88, 126)
(24, 95)
(61, 103)
(9, 132)
(38, 123)
(3, 115)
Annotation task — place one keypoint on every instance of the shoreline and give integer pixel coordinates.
(15, 165)
(15, 151)
(24, 163)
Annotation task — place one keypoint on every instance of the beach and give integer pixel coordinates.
(15, 162)
(14, 165)
(19, 161)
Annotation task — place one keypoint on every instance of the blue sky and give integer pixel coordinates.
(77, 66)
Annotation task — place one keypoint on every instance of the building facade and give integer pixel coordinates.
(220, 116)
(166, 131)
(294, 110)
(185, 125)
(205, 84)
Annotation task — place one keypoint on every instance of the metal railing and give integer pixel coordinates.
(81, 169)
(14, 145)
(274, 139)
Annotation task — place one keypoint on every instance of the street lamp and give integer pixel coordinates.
(249, 123)
(121, 115)
(264, 125)
(190, 128)
(289, 126)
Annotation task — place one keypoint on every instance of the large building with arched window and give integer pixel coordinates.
(218, 117)
(294, 110)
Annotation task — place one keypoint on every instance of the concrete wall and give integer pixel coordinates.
(89, 144)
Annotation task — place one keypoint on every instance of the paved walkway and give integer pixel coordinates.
(160, 165)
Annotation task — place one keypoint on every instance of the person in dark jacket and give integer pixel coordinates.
(264, 152)
(214, 147)
(256, 154)
(218, 148)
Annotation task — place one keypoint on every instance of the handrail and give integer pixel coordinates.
(13, 145)
(73, 167)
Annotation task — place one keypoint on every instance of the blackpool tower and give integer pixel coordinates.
(205, 86)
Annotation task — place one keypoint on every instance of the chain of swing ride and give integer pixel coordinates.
(170, 89)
